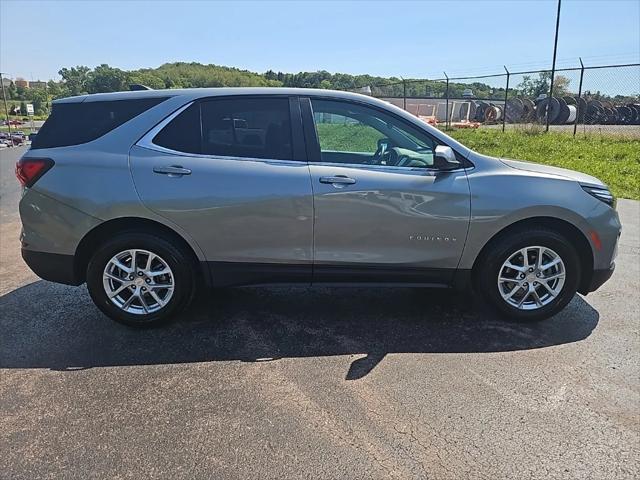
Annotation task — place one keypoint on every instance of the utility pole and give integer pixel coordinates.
(553, 65)
(506, 99)
(6, 109)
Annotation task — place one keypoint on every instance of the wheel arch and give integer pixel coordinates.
(107, 229)
(570, 231)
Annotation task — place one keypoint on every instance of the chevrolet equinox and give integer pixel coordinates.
(145, 194)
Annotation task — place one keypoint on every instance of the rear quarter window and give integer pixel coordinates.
(182, 134)
(76, 123)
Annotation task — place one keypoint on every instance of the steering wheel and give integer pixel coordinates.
(382, 153)
(394, 158)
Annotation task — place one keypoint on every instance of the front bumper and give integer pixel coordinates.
(52, 266)
(599, 278)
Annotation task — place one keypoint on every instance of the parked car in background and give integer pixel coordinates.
(18, 139)
(11, 140)
(143, 195)
(12, 122)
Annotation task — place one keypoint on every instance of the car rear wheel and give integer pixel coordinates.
(530, 275)
(140, 279)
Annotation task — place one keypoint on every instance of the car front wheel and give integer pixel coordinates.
(530, 275)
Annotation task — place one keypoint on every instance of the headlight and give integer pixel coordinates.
(602, 194)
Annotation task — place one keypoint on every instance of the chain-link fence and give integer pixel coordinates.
(602, 99)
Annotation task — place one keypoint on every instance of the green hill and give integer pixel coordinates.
(81, 80)
(103, 78)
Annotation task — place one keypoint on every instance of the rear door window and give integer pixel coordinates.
(232, 127)
(247, 127)
(76, 123)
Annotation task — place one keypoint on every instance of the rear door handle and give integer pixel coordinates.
(338, 180)
(172, 170)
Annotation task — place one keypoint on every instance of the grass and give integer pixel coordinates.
(16, 128)
(348, 138)
(613, 159)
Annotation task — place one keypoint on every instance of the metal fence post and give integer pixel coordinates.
(404, 94)
(506, 94)
(575, 124)
(6, 109)
(446, 121)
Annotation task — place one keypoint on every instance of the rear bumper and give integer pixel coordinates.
(599, 278)
(52, 266)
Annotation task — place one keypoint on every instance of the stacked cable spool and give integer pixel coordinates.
(566, 110)
(561, 111)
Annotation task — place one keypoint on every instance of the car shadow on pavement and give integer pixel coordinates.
(45, 325)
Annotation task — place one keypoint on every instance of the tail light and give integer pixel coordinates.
(29, 170)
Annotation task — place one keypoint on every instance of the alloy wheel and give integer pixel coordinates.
(138, 281)
(531, 278)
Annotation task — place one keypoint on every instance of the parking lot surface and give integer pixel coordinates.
(317, 383)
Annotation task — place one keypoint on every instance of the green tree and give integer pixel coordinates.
(20, 91)
(12, 92)
(533, 87)
(75, 80)
(107, 79)
(561, 86)
(80, 80)
(148, 79)
(38, 97)
(54, 89)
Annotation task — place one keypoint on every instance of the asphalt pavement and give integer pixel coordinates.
(317, 382)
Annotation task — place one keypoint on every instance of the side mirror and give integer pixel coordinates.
(444, 158)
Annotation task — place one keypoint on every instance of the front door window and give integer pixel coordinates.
(357, 135)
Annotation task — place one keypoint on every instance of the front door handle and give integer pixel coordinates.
(338, 180)
(172, 170)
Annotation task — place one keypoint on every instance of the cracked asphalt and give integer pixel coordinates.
(276, 383)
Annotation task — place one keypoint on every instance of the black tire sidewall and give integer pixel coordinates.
(179, 262)
(499, 253)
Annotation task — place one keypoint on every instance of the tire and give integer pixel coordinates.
(551, 243)
(172, 292)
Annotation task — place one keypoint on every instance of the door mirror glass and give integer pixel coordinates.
(445, 158)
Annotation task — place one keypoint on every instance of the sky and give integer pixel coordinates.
(418, 39)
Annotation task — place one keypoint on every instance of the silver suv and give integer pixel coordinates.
(145, 194)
